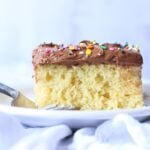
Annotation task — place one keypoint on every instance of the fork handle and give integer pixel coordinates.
(8, 91)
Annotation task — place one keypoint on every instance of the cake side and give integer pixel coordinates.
(89, 86)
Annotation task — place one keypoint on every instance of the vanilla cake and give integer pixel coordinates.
(88, 76)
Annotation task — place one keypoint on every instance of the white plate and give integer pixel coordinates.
(75, 118)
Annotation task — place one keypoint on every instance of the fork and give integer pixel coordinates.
(19, 99)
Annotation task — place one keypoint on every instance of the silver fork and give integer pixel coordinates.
(56, 107)
(19, 100)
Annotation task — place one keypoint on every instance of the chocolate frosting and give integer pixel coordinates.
(87, 52)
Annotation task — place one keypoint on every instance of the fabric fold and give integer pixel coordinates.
(122, 132)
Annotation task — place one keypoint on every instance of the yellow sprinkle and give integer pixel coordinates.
(88, 52)
(71, 48)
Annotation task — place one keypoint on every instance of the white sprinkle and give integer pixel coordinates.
(81, 52)
(82, 45)
(130, 47)
(136, 48)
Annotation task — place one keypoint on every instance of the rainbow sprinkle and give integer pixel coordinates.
(71, 47)
(90, 46)
(136, 48)
(103, 47)
(82, 45)
(111, 48)
(48, 51)
(126, 44)
(88, 52)
(94, 42)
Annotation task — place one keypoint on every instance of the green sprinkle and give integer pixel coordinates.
(103, 47)
(126, 44)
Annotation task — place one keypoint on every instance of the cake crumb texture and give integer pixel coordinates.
(89, 87)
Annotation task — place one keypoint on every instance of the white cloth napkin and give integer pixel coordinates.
(121, 133)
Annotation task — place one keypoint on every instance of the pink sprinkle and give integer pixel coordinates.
(78, 48)
(111, 48)
(48, 51)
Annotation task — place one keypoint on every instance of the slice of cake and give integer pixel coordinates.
(88, 76)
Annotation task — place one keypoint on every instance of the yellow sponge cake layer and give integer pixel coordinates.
(89, 87)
